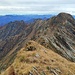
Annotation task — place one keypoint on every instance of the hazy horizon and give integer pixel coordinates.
(25, 14)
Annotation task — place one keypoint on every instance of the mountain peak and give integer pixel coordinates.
(65, 16)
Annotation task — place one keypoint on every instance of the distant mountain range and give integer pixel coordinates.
(27, 18)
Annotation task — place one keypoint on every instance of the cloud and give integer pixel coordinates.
(36, 6)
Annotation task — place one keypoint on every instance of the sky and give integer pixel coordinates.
(23, 7)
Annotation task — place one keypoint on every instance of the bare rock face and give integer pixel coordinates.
(58, 33)
(65, 16)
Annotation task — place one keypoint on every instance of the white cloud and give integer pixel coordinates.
(36, 6)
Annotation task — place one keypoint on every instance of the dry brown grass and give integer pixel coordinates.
(44, 60)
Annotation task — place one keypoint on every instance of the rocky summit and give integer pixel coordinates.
(53, 46)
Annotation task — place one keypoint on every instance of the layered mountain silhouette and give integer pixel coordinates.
(56, 34)
(27, 18)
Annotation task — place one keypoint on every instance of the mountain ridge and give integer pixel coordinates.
(55, 33)
(36, 59)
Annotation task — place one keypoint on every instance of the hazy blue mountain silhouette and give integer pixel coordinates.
(27, 18)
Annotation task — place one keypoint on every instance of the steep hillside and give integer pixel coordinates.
(34, 59)
(12, 37)
(56, 33)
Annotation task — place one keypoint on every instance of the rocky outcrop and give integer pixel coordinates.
(57, 34)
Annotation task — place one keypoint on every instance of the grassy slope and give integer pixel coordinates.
(40, 61)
